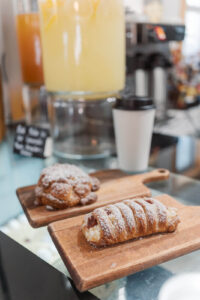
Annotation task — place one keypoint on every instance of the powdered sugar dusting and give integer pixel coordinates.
(161, 213)
(103, 221)
(50, 208)
(172, 218)
(59, 187)
(150, 213)
(64, 173)
(90, 198)
(116, 218)
(139, 215)
(38, 191)
(127, 214)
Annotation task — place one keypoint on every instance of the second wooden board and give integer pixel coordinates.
(115, 186)
(90, 267)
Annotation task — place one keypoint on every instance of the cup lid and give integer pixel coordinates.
(134, 103)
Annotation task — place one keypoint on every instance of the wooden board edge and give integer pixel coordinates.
(33, 224)
(159, 174)
(107, 171)
(23, 189)
(76, 276)
(86, 284)
(26, 211)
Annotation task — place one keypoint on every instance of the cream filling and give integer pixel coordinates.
(93, 234)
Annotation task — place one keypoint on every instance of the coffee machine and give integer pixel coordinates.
(149, 60)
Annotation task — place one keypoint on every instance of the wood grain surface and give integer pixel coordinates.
(90, 267)
(115, 186)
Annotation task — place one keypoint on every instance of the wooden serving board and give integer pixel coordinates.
(90, 267)
(115, 186)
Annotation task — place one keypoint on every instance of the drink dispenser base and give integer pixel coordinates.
(82, 129)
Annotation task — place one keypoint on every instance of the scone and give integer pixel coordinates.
(127, 220)
(64, 185)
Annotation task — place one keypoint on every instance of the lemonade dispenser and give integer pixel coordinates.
(83, 44)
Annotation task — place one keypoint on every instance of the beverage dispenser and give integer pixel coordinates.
(149, 59)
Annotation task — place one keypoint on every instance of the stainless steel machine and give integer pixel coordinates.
(149, 60)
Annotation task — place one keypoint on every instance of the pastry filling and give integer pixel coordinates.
(93, 234)
(93, 231)
(91, 222)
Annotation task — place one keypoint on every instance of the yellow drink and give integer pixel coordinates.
(83, 45)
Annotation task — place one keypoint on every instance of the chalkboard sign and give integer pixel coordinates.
(32, 141)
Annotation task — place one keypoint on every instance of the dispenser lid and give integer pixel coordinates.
(159, 60)
(132, 102)
(139, 61)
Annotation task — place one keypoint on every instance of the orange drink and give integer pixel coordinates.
(28, 32)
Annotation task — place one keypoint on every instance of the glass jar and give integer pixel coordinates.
(83, 47)
(82, 129)
(29, 42)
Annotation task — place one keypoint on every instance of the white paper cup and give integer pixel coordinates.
(133, 123)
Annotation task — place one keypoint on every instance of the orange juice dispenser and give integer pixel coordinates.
(83, 46)
(29, 44)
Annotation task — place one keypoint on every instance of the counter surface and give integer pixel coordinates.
(16, 171)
